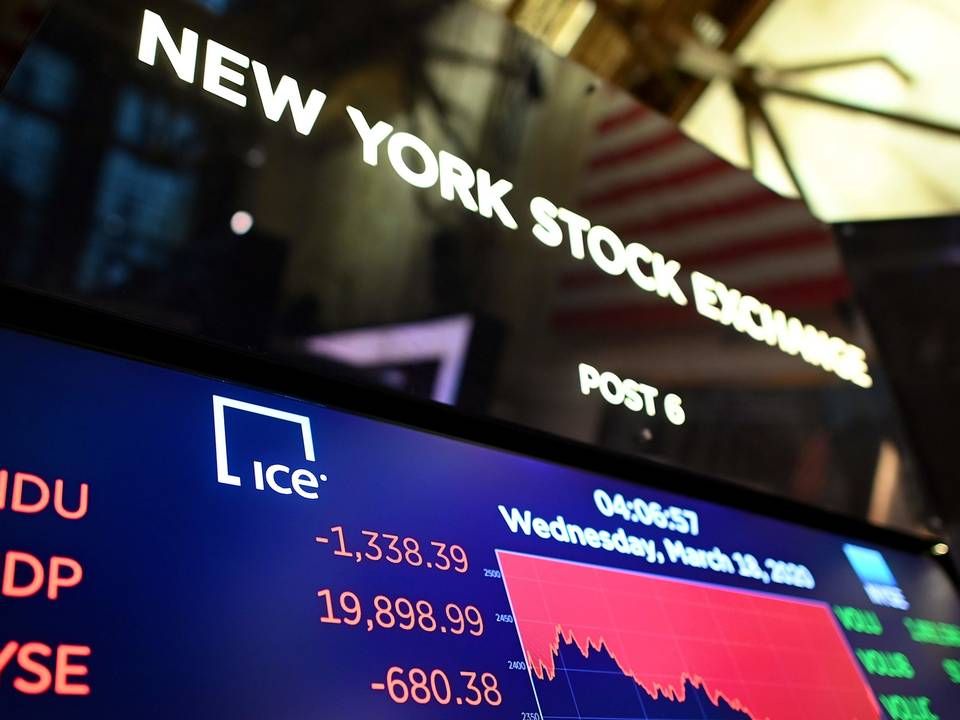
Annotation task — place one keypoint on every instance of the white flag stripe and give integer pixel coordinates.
(647, 207)
(629, 133)
(615, 100)
(805, 264)
(772, 230)
(715, 233)
(658, 164)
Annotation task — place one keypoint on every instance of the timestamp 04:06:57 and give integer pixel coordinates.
(649, 513)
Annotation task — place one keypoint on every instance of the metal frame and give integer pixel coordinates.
(751, 91)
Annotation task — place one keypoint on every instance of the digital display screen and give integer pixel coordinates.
(178, 546)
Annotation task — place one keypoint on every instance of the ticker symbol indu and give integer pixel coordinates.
(31, 494)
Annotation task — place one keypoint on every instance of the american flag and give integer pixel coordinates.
(650, 183)
(19, 19)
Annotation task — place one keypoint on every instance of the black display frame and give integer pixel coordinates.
(80, 325)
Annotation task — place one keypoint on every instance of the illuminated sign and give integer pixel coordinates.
(222, 69)
(475, 189)
(633, 395)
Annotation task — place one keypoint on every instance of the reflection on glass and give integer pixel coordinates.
(149, 196)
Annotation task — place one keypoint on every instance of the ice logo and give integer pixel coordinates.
(877, 578)
(301, 481)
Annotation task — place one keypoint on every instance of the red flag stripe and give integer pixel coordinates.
(634, 151)
(709, 258)
(768, 244)
(595, 182)
(718, 183)
(817, 292)
(648, 183)
(711, 234)
(710, 167)
(728, 230)
(768, 271)
(744, 204)
(632, 113)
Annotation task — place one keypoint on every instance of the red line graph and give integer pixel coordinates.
(771, 657)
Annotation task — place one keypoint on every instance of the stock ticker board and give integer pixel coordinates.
(178, 546)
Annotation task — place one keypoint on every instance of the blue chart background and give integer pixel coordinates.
(199, 599)
(594, 687)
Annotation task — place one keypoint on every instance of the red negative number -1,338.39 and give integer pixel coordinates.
(424, 687)
(375, 546)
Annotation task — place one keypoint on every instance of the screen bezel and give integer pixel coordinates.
(80, 325)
